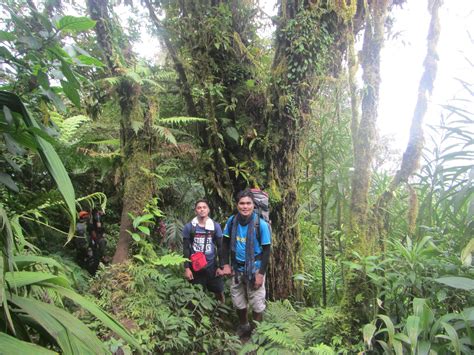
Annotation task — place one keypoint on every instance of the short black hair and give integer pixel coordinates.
(201, 200)
(244, 193)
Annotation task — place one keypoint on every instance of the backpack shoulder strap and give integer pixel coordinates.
(257, 230)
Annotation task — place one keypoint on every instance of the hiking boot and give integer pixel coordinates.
(244, 330)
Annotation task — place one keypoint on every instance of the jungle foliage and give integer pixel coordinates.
(369, 253)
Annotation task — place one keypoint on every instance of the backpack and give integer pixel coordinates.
(262, 206)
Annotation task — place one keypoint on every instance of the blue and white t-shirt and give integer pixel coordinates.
(265, 238)
(199, 238)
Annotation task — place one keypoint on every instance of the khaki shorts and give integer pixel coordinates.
(244, 295)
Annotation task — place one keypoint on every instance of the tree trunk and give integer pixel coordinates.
(358, 296)
(412, 154)
(320, 30)
(136, 144)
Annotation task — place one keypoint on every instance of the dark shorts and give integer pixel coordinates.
(208, 279)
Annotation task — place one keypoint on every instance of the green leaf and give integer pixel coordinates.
(67, 330)
(55, 99)
(49, 157)
(6, 36)
(466, 253)
(106, 319)
(75, 24)
(112, 142)
(413, 330)
(136, 237)
(72, 93)
(7, 180)
(87, 60)
(390, 327)
(250, 83)
(11, 345)
(424, 347)
(24, 261)
(43, 80)
(30, 41)
(170, 259)
(368, 332)
(69, 74)
(27, 278)
(453, 336)
(136, 125)
(181, 120)
(233, 133)
(144, 230)
(462, 283)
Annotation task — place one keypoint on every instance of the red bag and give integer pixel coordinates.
(198, 261)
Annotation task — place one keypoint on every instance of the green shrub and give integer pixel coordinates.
(163, 311)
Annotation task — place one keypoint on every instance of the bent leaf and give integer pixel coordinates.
(462, 283)
(11, 345)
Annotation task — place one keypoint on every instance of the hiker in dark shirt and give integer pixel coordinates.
(203, 235)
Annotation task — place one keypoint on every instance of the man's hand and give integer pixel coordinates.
(188, 274)
(227, 270)
(258, 281)
(219, 272)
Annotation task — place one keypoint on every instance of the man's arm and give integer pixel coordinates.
(265, 258)
(266, 240)
(188, 274)
(187, 251)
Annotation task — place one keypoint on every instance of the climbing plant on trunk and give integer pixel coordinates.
(136, 135)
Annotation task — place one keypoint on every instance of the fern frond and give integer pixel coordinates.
(287, 335)
(320, 349)
(165, 75)
(179, 120)
(169, 260)
(280, 311)
(112, 142)
(166, 134)
(134, 76)
(112, 81)
(153, 84)
(69, 128)
(248, 348)
(94, 199)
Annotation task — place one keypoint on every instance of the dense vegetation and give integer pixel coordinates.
(371, 252)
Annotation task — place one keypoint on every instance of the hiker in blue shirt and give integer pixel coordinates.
(203, 235)
(247, 239)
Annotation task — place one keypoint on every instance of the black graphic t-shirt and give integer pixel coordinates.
(199, 240)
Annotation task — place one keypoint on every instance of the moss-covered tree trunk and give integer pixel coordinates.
(308, 46)
(136, 134)
(358, 295)
(412, 154)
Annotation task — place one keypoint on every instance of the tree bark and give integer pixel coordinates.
(136, 144)
(293, 87)
(412, 154)
(358, 298)
(366, 132)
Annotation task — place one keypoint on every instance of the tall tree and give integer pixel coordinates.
(310, 42)
(136, 133)
(358, 296)
(257, 113)
(412, 154)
